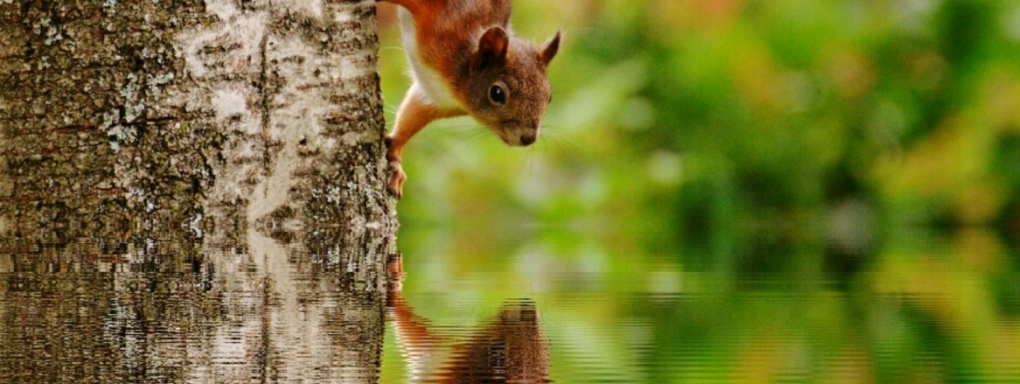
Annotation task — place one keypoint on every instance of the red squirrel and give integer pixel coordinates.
(466, 61)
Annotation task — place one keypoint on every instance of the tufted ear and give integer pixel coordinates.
(492, 48)
(550, 48)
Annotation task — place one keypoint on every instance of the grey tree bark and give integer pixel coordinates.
(178, 173)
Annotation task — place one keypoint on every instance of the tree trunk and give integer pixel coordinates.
(207, 177)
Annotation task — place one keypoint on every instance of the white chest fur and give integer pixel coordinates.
(426, 77)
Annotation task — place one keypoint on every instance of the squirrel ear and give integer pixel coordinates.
(492, 47)
(550, 48)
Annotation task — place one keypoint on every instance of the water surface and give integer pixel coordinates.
(539, 304)
(926, 308)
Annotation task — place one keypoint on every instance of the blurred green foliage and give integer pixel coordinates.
(693, 119)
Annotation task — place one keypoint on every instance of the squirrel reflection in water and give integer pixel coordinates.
(508, 348)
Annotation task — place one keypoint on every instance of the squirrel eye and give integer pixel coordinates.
(497, 95)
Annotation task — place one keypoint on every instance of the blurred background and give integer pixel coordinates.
(685, 118)
(862, 154)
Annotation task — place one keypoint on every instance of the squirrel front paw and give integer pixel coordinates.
(397, 177)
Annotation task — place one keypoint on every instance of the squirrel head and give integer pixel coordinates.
(508, 89)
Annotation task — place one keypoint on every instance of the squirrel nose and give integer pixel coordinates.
(528, 138)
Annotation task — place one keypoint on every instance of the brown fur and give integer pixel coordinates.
(469, 44)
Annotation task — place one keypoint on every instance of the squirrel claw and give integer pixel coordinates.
(396, 184)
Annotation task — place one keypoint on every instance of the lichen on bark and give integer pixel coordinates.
(190, 112)
(198, 126)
